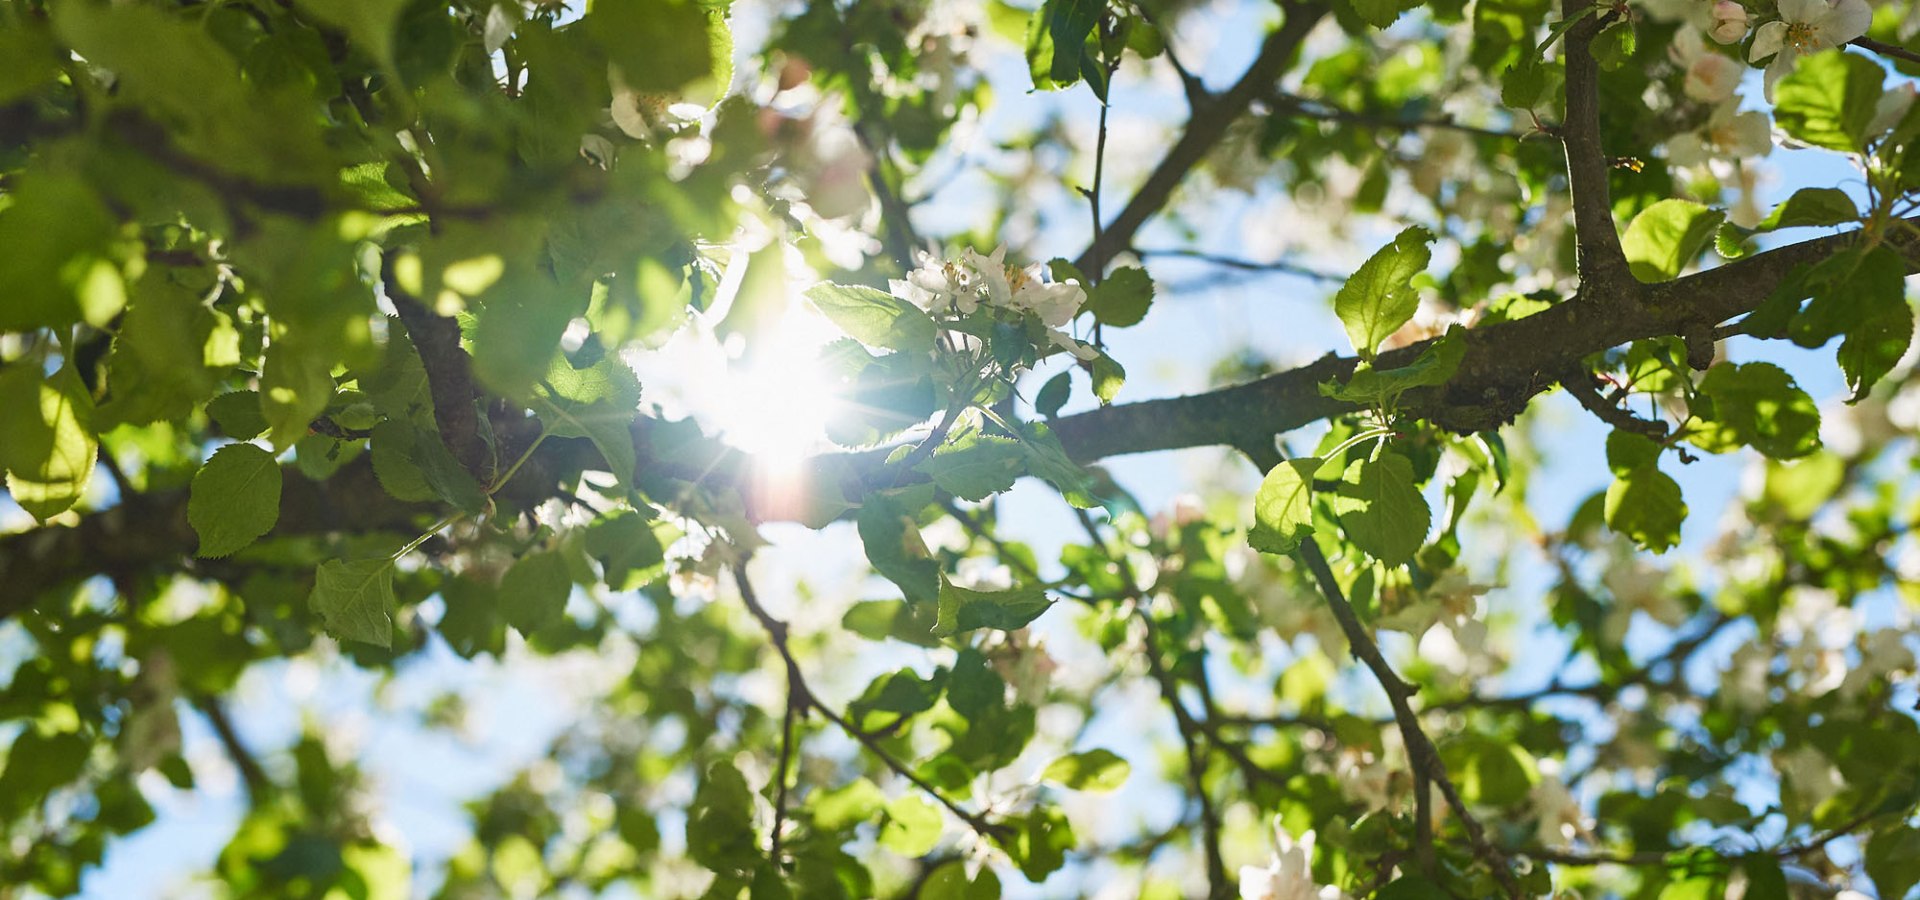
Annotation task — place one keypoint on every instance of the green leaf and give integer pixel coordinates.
(60, 266)
(1283, 506)
(1108, 376)
(445, 475)
(1049, 461)
(1383, 387)
(975, 466)
(354, 599)
(234, 500)
(846, 806)
(1875, 342)
(1381, 508)
(1490, 772)
(369, 23)
(1766, 880)
(1812, 206)
(974, 689)
(1614, 45)
(913, 826)
(1644, 504)
(392, 444)
(599, 403)
(629, 552)
(1095, 770)
(1893, 859)
(295, 387)
(168, 355)
(950, 882)
(720, 829)
(659, 45)
(874, 318)
(1053, 395)
(901, 692)
(1378, 13)
(1664, 237)
(47, 444)
(36, 764)
(1764, 408)
(963, 610)
(1380, 297)
(896, 550)
(1829, 99)
(1526, 84)
(1040, 842)
(1122, 298)
(238, 414)
(534, 592)
(878, 620)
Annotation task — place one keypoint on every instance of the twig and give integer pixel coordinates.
(797, 685)
(1421, 753)
(1580, 384)
(1885, 49)
(1245, 265)
(795, 707)
(1309, 108)
(251, 772)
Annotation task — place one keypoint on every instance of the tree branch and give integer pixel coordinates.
(1600, 259)
(1421, 753)
(797, 683)
(1319, 110)
(1204, 130)
(449, 377)
(1580, 384)
(252, 774)
(1885, 49)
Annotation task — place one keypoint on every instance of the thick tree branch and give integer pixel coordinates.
(1505, 366)
(1601, 262)
(449, 377)
(1204, 130)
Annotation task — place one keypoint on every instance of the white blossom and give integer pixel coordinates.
(1289, 875)
(1560, 819)
(1711, 77)
(1807, 27)
(1728, 134)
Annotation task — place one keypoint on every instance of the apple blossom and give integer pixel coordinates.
(1806, 27)
(1289, 875)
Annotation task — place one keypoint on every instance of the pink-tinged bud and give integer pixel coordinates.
(1729, 22)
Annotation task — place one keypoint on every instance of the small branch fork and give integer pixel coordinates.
(801, 701)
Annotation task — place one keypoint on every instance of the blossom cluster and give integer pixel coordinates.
(963, 286)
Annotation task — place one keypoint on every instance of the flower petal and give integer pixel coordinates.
(1847, 20)
(1803, 10)
(1766, 41)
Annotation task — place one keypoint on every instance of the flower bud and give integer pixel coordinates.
(1729, 22)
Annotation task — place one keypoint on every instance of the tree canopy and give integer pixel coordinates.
(556, 351)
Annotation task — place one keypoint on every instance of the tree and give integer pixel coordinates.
(325, 328)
